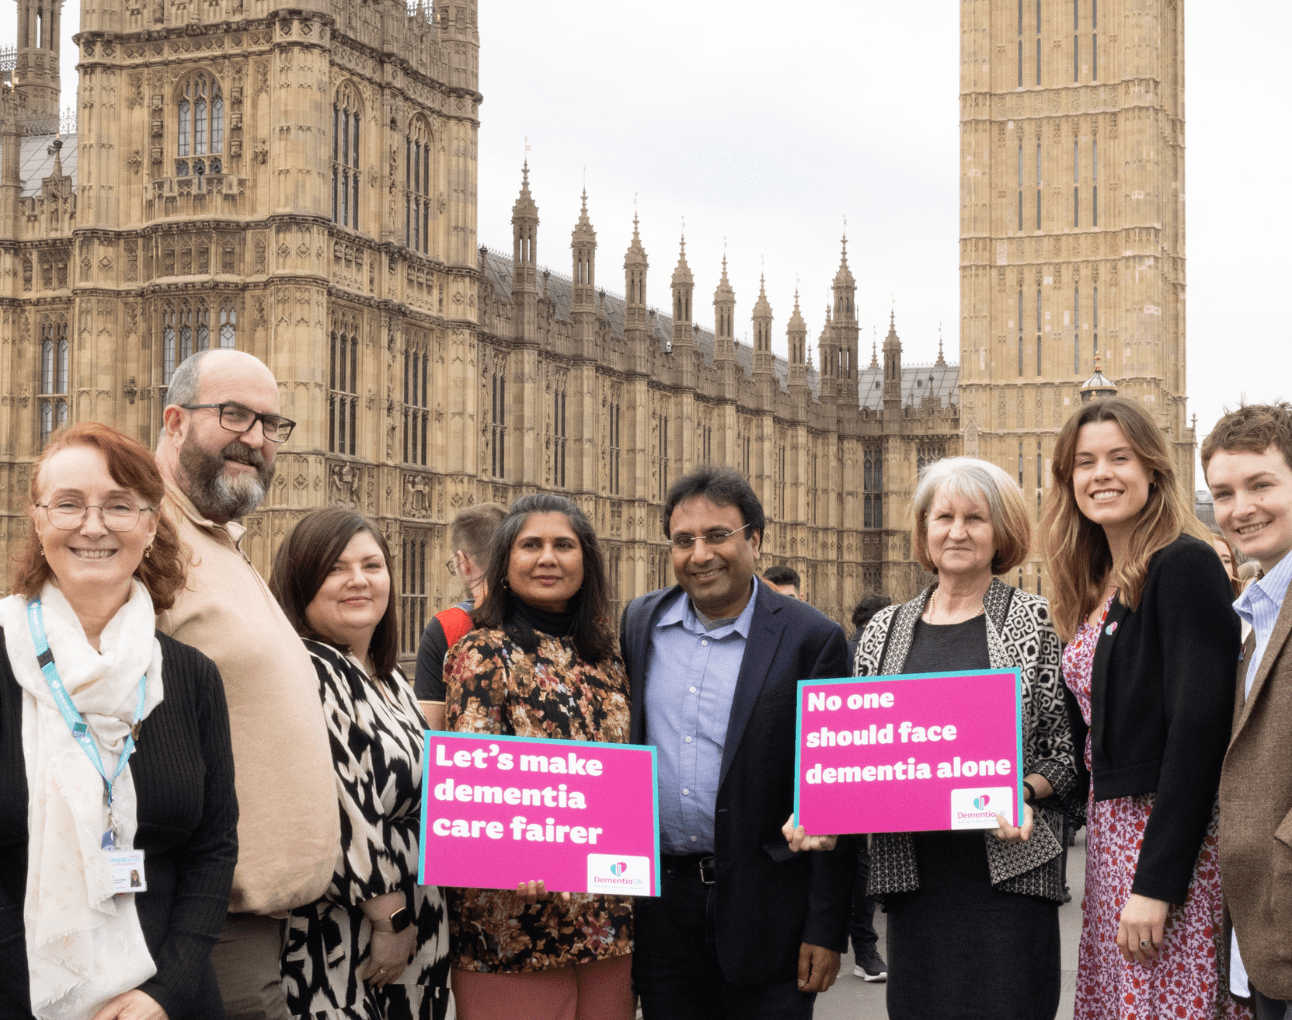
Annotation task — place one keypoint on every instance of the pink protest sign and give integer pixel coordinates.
(909, 753)
(498, 811)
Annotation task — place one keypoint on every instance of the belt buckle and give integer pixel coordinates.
(708, 871)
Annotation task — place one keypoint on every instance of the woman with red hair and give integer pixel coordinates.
(117, 807)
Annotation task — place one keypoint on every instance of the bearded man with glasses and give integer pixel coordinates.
(744, 928)
(221, 429)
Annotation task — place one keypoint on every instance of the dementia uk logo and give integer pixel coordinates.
(627, 875)
(976, 808)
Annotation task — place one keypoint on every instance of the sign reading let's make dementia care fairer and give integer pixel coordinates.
(498, 811)
(909, 753)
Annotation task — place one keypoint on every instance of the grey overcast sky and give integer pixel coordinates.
(765, 124)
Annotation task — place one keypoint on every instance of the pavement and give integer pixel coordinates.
(851, 998)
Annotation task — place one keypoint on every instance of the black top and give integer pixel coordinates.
(1162, 699)
(949, 647)
(544, 621)
(187, 828)
(428, 681)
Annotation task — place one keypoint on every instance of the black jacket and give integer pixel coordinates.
(769, 901)
(1162, 695)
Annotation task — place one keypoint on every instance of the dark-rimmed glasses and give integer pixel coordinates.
(710, 538)
(241, 420)
(70, 514)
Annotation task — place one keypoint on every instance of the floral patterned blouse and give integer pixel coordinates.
(493, 686)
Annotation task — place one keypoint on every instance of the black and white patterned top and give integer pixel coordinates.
(376, 733)
(1020, 635)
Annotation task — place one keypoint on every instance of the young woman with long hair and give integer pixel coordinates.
(1142, 601)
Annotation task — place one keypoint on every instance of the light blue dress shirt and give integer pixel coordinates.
(1259, 605)
(690, 683)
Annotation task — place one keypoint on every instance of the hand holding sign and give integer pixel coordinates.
(909, 753)
(498, 810)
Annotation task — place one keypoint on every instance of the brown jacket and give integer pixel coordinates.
(1256, 814)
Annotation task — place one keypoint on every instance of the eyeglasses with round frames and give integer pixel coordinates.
(710, 538)
(70, 514)
(241, 420)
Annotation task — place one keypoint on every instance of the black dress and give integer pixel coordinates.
(959, 949)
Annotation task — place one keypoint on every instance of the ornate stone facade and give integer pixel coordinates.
(1072, 222)
(300, 183)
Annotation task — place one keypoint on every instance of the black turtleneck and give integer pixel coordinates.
(544, 621)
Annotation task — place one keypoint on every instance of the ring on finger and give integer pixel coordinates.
(1145, 943)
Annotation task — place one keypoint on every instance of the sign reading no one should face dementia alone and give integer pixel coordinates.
(909, 753)
(498, 811)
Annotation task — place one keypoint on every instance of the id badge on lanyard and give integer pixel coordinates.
(127, 865)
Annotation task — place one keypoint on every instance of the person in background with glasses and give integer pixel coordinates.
(221, 428)
(118, 817)
(470, 534)
(744, 927)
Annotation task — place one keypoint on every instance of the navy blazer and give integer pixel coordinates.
(769, 901)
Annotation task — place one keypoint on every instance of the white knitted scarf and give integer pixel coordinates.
(84, 945)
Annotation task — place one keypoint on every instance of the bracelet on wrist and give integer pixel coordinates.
(1029, 788)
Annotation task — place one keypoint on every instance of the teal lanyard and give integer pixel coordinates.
(75, 721)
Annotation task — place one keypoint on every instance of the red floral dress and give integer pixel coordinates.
(1185, 981)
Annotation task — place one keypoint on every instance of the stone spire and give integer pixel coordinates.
(724, 318)
(893, 365)
(583, 246)
(635, 266)
(683, 289)
(762, 318)
(796, 336)
(941, 362)
(844, 334)
(524, 257)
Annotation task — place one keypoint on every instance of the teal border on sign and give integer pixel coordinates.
(548, 742)
(1018, 721)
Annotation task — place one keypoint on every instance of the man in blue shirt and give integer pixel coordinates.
(743, 928)
(1247, 459)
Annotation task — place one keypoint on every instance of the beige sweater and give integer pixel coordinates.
(289, 825)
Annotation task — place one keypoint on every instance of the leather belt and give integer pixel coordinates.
(701, 866)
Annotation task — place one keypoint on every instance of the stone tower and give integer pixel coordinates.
(1072, 222)
(35, 76)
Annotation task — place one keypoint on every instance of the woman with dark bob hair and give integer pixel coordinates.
(973, 916)
(541, 662)
(376, 944)
(118, 817)
(1142, 601)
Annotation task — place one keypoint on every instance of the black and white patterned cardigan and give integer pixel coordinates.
(1020, 635)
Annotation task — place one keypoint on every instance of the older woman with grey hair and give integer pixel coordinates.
(973, 924)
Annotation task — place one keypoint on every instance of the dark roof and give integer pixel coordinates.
(918, 383)
(498, 273)
(36, 161)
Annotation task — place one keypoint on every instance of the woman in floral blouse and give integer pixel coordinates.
(541, 662)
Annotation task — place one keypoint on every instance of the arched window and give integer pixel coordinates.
(199, 127)
(345, 159)
(343, 384)
(168, 344)
(417, 187)
(228, 326)
(416, 400)
(54, 364)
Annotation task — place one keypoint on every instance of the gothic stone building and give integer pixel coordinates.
(300, 183)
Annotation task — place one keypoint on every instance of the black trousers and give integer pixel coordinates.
(675, 961)
(1270, 1009)
(861, 928)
